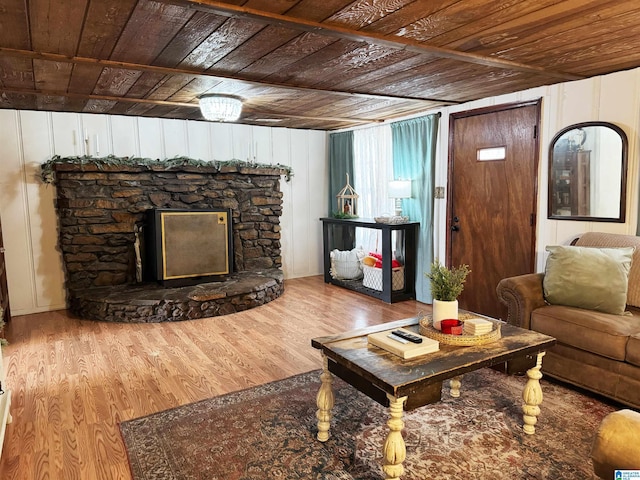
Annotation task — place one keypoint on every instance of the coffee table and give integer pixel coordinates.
(408, 384)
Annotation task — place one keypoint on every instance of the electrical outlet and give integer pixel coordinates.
(439, 192)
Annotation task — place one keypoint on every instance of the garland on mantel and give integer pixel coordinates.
(47, 168)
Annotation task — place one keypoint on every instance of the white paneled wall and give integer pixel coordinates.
(612, 98)
(29, 138)
(29, 222)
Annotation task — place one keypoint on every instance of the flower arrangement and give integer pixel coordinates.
(447, 283)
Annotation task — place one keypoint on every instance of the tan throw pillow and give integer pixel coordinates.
(586, 277)
(616, 240)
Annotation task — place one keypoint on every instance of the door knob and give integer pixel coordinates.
(1, 249)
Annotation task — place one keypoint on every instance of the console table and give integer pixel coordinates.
(340, 233)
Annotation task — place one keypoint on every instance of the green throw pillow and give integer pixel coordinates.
(587, 277)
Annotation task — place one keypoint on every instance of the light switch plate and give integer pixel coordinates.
(439, 192)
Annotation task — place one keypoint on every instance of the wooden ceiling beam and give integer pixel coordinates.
(248, 109)
(88, 96)
(56, 57)
(390, 41)
(269, 115)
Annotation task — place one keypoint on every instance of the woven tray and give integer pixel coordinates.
(394, 220)
(427, 329)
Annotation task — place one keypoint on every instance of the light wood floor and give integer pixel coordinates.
(73, 380)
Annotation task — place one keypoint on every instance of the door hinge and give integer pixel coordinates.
(532, 219)
(535, 131)
(1, 390)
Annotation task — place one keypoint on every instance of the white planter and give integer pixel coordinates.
(443, 310)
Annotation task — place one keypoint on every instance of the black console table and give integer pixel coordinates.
(340, 233)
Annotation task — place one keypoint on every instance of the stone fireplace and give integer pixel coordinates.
(102, 211)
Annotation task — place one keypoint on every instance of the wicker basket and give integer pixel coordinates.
(395, 220)
(427, 329)
(373, 278)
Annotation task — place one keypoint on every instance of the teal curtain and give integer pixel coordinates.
(414, 151)
(340, 163)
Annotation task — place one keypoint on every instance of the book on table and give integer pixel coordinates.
(405, 350)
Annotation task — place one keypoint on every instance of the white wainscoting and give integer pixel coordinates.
(29, 138)
(29, 222)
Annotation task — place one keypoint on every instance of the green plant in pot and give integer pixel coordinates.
(446, 286)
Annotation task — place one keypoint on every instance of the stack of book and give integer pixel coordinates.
(477, 326)
(404, 349)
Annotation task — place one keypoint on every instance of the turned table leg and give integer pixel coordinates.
(532, 396)
(324, 401)
(455, 383)
(395, 450)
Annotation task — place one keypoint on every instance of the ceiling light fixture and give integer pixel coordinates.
(220, 108)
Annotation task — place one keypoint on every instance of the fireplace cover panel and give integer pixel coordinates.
(190, 244)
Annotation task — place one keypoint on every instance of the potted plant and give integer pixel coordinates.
(446, 286)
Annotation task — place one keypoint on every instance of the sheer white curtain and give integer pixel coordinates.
(372, 169)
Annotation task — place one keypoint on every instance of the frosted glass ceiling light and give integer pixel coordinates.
(220, 108)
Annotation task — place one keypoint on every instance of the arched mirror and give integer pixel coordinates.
(588, 173)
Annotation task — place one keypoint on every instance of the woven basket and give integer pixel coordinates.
(395, 220)
(373, 278)
(427, 329)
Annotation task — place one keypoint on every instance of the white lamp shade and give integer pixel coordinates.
(400, 189)
(220, 108)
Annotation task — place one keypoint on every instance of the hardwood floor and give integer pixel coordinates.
(74, 380)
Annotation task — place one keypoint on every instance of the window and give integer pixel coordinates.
(491, 154)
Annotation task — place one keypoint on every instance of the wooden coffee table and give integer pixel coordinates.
(408, 384)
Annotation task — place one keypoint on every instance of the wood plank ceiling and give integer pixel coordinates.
(318, 64)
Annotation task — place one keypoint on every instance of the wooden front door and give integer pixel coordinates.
(493, 161)
(4, 292)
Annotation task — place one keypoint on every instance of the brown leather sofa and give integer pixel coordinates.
(597, 351)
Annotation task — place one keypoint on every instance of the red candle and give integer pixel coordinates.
(451, 326)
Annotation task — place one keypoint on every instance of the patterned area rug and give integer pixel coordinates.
(268, 432)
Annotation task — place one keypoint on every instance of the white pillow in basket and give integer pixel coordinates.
(346, 265)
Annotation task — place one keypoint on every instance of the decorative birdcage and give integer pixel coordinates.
(348, 201)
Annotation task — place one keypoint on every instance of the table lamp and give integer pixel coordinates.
(399, 189)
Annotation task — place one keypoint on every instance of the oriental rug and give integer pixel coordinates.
(268, 432)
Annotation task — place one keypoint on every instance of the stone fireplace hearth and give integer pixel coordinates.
(101, 211)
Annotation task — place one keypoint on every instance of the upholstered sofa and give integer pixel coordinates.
(597, 351)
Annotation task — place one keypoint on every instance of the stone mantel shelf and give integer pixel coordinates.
(242, 169)
(81, 164)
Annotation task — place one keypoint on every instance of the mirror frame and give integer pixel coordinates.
(623, 174)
